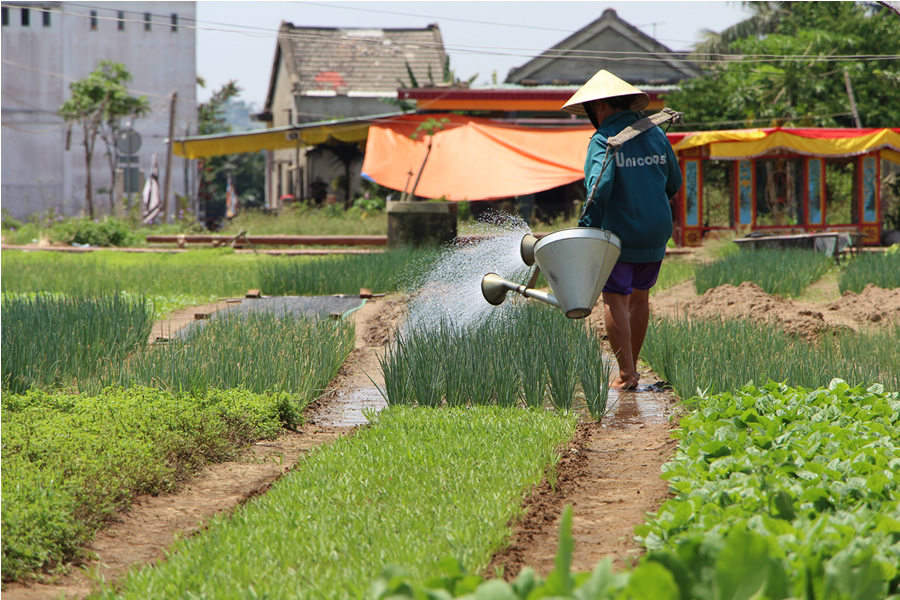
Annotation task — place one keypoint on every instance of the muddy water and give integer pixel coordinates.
(634, 407)
(348, 408)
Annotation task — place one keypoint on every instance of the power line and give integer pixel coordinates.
(530, 53)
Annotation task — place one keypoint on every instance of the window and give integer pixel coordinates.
(45, 18)
(93, 20)
(148, 19)
(5, 16)
(121, 23)
(26, 17)
(174, 22)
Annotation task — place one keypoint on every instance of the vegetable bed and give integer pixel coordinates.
(413, 488)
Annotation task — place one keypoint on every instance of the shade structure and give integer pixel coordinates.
(739, 144)
(473, 158)
(481, 159)
(352, 130)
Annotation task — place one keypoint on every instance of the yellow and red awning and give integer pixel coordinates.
(824, 142)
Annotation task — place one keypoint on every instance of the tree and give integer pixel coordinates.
(97, 103)
(794, 73)
(248, 169)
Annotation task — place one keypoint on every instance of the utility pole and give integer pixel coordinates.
(852, 100)
(168, 178)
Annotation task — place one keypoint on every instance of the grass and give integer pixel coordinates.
(211, 272)
(50, 341)
(879, 269)
(525, 358)
(711, 356)
(413, 488)
(785, 273)
(304, 220)
(70, 461)
(674, 270)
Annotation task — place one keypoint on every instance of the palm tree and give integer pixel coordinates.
(765, 20)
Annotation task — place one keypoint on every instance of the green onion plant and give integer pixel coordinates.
(783, 273)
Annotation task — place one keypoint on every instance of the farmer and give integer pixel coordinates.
(631, 201)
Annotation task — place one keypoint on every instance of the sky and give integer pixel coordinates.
(236, 40)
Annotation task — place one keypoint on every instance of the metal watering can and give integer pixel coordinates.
(576, 263)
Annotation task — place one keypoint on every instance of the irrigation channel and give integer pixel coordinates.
(609, 471)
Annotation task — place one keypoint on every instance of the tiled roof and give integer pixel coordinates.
(361, 60)
(606, 44)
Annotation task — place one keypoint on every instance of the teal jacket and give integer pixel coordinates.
(632, 199)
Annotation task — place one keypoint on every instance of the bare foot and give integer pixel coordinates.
(624, 383)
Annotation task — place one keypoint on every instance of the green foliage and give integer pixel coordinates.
(97, 103)
(879, 269)
(674, 270)
(803, 85)
(69, 462)
(208, 272)
(412, 488)
(524, 357)
(713, 356)
(247, 169)
(777, 493)
(92, 232)
(780, 272)
(803, 481)
(261, 352)
(50, 341)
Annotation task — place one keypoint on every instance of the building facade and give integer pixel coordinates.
(48, 45)
(321, 74)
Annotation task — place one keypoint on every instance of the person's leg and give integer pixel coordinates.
(619, 332)
(644, 278)
(638, 319)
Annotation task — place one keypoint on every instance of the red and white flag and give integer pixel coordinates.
(152, 206)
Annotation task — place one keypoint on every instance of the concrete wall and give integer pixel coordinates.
(40, 62)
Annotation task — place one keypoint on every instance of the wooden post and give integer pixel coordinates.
(168, 178)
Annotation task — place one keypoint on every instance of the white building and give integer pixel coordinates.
(48, 45)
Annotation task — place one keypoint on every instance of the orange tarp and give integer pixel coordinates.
(474, 159)
(480, 159)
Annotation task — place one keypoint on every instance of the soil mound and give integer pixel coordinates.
(748, 300)
(873, 306)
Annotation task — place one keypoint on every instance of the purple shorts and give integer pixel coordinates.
(627, 277)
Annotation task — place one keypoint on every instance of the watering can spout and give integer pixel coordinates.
(576, 263)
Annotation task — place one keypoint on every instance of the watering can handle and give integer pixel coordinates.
(533, 281)
(630, 132)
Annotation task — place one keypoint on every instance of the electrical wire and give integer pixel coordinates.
(529, 53)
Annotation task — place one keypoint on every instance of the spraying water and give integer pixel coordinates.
(450, 291)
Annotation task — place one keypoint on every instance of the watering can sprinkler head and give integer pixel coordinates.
(526, 248)
(576, 263)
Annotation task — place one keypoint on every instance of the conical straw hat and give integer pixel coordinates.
(604, 85)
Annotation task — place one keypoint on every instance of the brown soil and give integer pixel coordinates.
(872, 307)
(608, 472)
